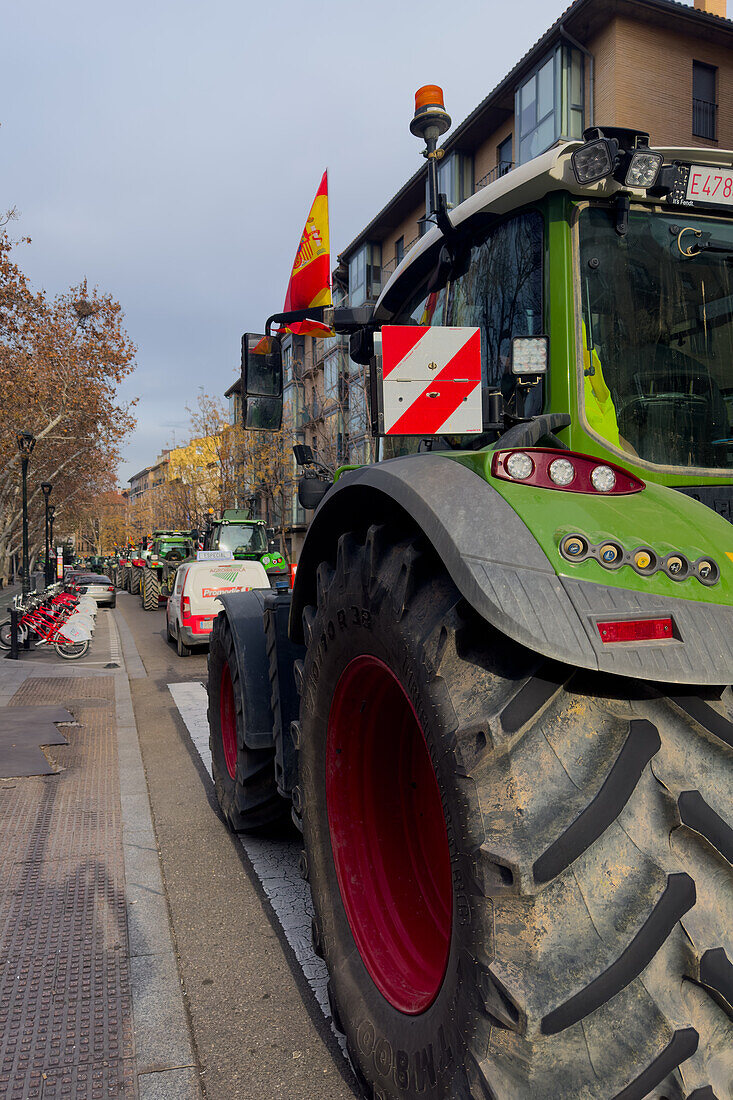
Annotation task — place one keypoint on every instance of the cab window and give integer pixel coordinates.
(498, 288)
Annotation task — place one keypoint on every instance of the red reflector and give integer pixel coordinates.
(636, 630)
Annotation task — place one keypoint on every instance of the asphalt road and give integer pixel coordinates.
(257, 1029)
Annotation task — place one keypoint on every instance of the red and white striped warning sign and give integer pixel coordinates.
(431, 380)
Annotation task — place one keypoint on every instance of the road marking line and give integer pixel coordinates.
(275, 861)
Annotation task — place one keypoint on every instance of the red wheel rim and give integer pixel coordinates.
(388, 835)
(228, 721)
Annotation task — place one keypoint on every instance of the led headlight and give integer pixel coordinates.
(644, 167)
(593, 161)
(603, 479)
(561, 471)
(519, 465)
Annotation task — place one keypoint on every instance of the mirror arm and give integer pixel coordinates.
(315, 313)
(340, 318)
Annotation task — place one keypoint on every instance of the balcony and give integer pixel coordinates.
(704, 119)
(501, 169)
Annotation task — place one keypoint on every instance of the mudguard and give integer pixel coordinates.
(245, 612)
(503, 572)
(266, 658)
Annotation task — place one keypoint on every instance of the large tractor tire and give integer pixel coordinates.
(521, 872)
(136, 577)
(126, 579)
(151, 590)
(244, 777)
(116, 578)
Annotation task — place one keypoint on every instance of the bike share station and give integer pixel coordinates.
(60, 616)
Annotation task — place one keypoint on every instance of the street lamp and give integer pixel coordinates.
(46, 488)
(26, 442)
(51, 514)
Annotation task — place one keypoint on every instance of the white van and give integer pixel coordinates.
(193, 605)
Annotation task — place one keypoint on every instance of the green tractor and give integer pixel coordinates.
(246, 538)
(498, 704)
(167, 550)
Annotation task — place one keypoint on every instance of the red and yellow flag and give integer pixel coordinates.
(310, 280)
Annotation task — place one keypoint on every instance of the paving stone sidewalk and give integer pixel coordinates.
(90, 998)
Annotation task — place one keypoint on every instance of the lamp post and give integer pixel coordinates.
(51, 514)
(46, 488)
(26, 442)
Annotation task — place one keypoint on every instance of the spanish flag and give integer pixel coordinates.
(310, 280)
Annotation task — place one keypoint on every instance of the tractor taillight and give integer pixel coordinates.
(636, 630)
(565, 470)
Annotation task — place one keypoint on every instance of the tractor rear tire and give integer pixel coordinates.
(244, 778)
(151, 591)
(116, 579)
(135, 579)
(520, 871)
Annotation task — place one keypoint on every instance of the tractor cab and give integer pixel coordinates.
(619, 286)
(246, 539)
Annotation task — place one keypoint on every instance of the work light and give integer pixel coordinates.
(530, 354)
(644, 167)
(594, 161)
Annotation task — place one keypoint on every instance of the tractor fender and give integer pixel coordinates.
(501, 570)
(245, 612)
(266, 660)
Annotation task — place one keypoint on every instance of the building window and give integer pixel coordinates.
(358, 419)
(331, 376)
(504, 156)
(549, 105)
(287, 354)
(399, 250)
(365, 274)
(455, 179)
(704, 107)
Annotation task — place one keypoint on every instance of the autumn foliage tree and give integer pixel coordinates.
(62, 360)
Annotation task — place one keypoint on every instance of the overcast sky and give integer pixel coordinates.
(169, 150)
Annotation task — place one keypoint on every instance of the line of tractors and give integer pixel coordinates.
(149, 569)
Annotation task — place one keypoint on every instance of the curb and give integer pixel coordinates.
(165, 1062)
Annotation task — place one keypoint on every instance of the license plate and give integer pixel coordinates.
(715, 185)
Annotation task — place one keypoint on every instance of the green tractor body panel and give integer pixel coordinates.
(658, 519)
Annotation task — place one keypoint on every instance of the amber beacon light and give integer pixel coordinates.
(430, 121)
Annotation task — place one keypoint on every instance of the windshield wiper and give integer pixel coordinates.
(704, 242)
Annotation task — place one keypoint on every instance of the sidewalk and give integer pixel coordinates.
(90, 997)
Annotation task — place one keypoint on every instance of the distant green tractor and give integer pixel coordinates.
(166, 552)
(246, 538)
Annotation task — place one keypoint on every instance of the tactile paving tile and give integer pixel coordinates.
(66, 1028)
(95, 1082)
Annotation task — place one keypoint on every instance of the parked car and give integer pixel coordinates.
(99, 587)
(193, 605)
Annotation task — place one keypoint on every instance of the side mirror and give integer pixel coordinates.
(311, 491)
(262, 382)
